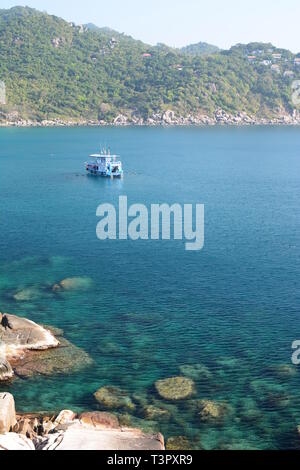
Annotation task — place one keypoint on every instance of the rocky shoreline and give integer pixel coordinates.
(118, 419)
(27, 349)
(69, 431)
(168, 118)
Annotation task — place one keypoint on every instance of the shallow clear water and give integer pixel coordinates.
(233, 307)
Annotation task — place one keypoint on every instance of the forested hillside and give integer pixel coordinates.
(52, 68)
(201, 48)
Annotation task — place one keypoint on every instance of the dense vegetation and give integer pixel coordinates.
(52, 68)
(201, 48)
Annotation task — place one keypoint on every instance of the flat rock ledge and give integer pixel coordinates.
(18, 338)
(28, 349)
(24, 335)
(69, 431)
(81, 437)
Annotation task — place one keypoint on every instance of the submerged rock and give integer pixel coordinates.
(238, 444)
(277, 400)
(228, 362)
(114, 398)
(126, 420)
(73, 283)
(196, 371)
(175, 388)
(178, 443)
(251, 416)
(262, 387)
(109, 347)
(26, 295)
(142, 318)
(58, 260)
(248, 411)
(141, 398)
(282, 371)
(64, 359)
(270, 394)
(154, 413)
(210, 410)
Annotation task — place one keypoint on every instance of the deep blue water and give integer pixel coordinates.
(233, 307)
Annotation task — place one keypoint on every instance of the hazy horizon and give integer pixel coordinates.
(222, 24)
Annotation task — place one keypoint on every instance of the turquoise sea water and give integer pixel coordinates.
(232, 307)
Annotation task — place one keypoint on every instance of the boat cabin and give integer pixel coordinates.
(104, 165)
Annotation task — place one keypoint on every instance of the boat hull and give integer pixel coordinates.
(103, 174)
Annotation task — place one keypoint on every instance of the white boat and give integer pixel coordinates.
(104, 164)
